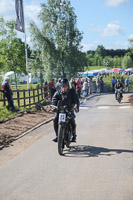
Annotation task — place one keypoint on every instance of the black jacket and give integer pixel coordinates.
(6, 88)
(118, 86)
(70, 99)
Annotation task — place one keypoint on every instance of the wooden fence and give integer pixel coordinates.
(23, 98)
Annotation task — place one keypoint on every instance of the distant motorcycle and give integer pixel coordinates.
(119, 95)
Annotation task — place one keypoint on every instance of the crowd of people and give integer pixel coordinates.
(81, 86)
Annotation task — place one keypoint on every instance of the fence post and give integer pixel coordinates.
(38, 93)
(42, 93)
(29, 95)
(24, 97)
(34, 95)
(46, 91)
(18, 98)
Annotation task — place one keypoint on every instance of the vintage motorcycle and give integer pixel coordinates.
(119, 95)
(65, 133)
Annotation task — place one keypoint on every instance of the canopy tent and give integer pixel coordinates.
(89, 73)
(116, 69)
(129, 69)
(121, 69)
(9, 73)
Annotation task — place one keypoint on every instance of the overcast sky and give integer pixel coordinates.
(103, 22)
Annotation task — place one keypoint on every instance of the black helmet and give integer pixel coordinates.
(64, 82)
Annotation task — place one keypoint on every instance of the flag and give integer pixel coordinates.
(20, 16)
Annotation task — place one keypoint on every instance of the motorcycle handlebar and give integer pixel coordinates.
(118, 89)
(57, 108)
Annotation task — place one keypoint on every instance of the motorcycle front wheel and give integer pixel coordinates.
(61, 131)
(119, 98)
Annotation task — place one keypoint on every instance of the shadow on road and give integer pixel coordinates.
(91, 151)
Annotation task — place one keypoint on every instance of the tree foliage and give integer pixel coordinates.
(59, 38)
(102, 55)
(127, 62)
(12, 49)
(36, 64)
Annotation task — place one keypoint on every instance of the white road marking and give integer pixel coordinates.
(84, 108)
(103, 107)
(124, 107)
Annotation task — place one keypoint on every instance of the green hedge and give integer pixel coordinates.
(108, 81)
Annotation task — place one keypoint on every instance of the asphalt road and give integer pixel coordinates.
(98, 167)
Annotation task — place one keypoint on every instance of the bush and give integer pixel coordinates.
(108, 81)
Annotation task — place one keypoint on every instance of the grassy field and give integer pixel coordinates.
(24, 86)
(96, 67)
(4, 113)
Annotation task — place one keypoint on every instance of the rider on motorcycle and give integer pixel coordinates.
(118, 85)
(69, 98)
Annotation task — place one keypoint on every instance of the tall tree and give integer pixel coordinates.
(36, 64)
(100, 50)
(59, 37)
(12, 49)
(127, 62)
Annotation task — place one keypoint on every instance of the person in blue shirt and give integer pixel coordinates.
(127, 84)
(113, 84)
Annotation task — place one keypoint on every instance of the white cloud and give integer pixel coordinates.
(31, 11)
(112, 29)
(130, 37)
(115, 3)
(7, 9)
(121, 45)
(90, 46)
(106, 44)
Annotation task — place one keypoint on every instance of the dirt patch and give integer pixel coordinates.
(131, 99)
(21, 123)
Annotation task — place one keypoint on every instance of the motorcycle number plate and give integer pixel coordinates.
(62, 117)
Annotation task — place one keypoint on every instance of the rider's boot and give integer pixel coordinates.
(74, 137)
(55, 140)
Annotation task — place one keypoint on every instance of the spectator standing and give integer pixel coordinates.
(82, 81)
(89, 86)
(122, 81)
(85, 88)
(117, 79)
(72, 83)
(113, 84)
(52, 88)
(58, 85)
(98, 84)
(8, 93)
(78, 87)
(127, 84)
(101, 84)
